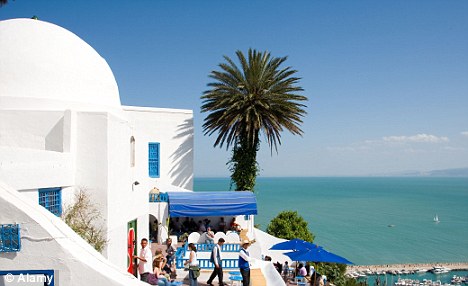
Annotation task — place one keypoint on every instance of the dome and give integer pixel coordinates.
(45, 67)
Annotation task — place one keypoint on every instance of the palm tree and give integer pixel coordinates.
(242, 102)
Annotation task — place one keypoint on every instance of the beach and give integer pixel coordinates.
(413, 266)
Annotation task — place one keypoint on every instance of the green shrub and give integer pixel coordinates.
(290, 225)
(83, 217)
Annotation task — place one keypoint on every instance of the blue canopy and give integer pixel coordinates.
(317, 255)
(189, 204)
(294, 244)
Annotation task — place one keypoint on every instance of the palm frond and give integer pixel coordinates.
(255, 96)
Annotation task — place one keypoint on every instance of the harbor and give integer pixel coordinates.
(431, 274)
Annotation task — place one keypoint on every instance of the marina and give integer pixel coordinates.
(411, 274)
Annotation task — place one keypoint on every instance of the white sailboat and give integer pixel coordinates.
(436, 219)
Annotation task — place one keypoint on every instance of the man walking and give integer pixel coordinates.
(146, 260)
(217, 259)
(244, 263)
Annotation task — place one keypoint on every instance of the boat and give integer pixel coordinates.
(436, 219)
(421, 270)
(457, 280)
(440, 270)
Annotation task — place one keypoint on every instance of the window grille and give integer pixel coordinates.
(51, 199)
(153, 160)
(10, 240)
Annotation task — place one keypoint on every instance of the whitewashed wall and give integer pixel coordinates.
(31, 149)
(62, 125)
(125, 202)
(173, 129)
(48, 243)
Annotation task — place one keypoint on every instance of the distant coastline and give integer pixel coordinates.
(443, 173)
(449, 173)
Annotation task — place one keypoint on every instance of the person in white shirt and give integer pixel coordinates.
(244, 263)
(193, 265)
(145, 266)
(209, 236)
(217, 260)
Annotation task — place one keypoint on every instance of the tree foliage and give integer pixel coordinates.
(244, 167)
(290, 225)
(256, 97)
(84, 218)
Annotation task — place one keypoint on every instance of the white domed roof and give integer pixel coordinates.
(46, 67)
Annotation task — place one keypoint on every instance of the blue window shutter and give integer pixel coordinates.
(51, 199)
(153, 160)
(10, 239)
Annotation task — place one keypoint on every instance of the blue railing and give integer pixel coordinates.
(10, 239)
(180, 254)
(207, 247)
(206, 263)
(157, 198)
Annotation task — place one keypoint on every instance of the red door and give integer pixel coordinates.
(131, 250)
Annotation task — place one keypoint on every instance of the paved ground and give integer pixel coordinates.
(205, 274)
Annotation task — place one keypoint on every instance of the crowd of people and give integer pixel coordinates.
(303, 271)
(189, 225)
(159, 269)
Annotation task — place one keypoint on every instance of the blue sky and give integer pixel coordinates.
(387, 81)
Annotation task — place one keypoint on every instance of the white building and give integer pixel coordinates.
(62, 128)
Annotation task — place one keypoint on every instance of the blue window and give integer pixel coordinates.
(10, 238)
(153, 160)
(51, 199)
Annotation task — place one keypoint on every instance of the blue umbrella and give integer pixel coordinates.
(317, 254)
(294, 244)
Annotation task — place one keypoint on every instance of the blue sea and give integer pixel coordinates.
(371, 220)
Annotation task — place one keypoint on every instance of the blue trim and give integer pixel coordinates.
(207, 247)
(153, 160)
(206, 263)
(47, 272)
(51, 199)
(157, 198)
(10, 238)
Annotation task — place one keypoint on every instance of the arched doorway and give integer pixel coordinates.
(153, 228)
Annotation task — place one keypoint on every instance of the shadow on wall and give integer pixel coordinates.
(54, 139)
(182, 170)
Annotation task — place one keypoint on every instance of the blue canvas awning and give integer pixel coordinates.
(188, 204)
